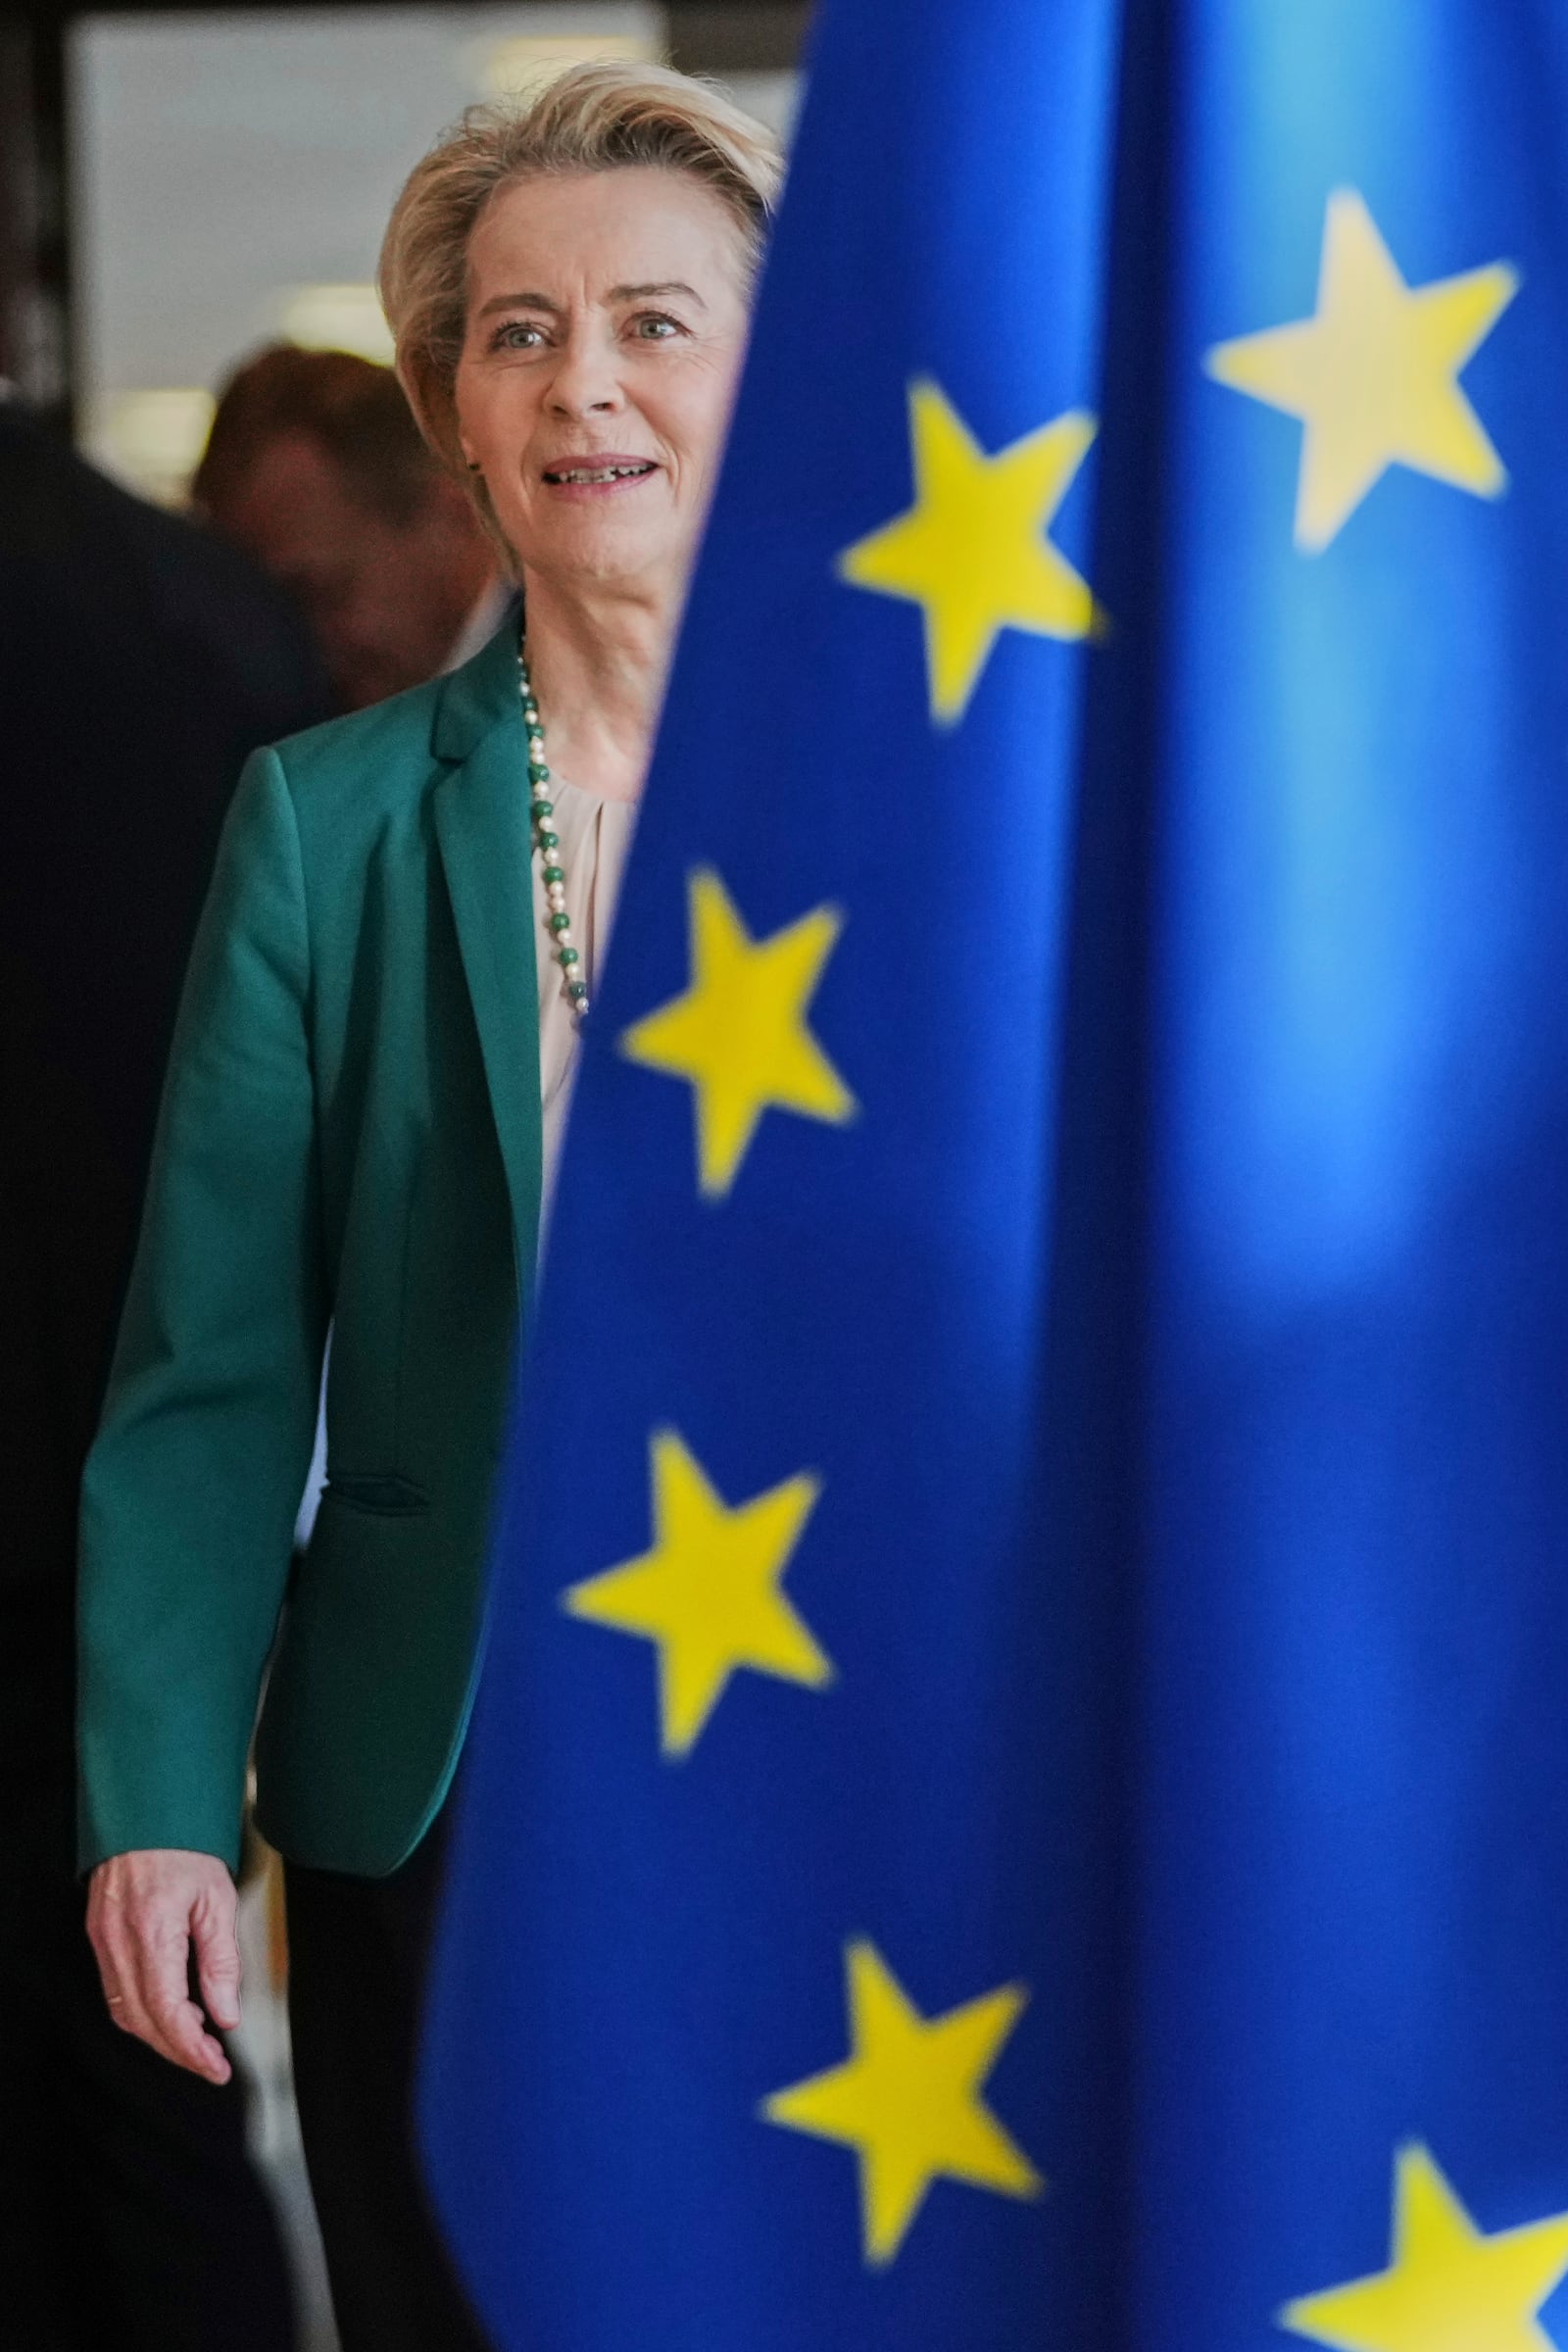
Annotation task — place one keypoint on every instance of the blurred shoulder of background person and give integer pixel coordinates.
(315, 466)
(140, 662)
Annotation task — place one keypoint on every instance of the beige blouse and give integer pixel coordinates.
(594, 837)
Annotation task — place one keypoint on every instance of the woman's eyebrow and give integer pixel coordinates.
(672, 285)
(519, 302)
(529, 301)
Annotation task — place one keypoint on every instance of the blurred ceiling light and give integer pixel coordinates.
(151, 440)
(773, 98)
(535, 57)
(566, 37)
(338, 319)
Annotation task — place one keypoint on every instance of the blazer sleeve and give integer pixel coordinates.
(192, 1486)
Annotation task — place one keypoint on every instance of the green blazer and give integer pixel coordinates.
(350, 1135)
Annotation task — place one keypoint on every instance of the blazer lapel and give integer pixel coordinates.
(482, 822)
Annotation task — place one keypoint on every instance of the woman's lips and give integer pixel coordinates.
(607, 470)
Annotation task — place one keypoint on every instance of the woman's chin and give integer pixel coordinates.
(602, 549)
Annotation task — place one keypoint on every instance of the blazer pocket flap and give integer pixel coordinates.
(375, 1490)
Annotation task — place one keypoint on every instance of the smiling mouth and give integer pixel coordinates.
(588, 476)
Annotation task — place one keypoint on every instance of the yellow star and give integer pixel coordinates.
(908, 2100)
(973, 549)
(1449, 2288)
(740, 1032)
(708, 1592)
(1375, 374)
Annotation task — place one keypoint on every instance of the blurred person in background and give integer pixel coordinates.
(315, 467)
(139, 663)
(365, 1099)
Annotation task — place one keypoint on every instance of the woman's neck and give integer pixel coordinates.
(598, 666)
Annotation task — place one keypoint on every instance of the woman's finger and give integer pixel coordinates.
(218, 1962)
(177, 2030)
(119, 1963)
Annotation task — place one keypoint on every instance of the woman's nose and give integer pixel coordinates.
(584, 382)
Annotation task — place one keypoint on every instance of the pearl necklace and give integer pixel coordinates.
(547, 842)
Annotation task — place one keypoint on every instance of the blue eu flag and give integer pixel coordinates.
(1019, 1794)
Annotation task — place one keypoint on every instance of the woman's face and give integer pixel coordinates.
(606, 329)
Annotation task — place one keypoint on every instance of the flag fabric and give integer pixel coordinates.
(1019, 1790)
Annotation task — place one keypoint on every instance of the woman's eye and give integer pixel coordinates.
(517, 335)
(653, 327)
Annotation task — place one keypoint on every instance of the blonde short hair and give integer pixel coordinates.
(593, 118)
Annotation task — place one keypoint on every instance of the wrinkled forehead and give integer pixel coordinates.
(589, 237)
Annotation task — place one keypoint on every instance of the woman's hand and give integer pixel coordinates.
(143, 1911)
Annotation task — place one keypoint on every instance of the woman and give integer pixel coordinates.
(366, 1094)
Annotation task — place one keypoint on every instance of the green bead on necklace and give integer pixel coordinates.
(546, 844)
